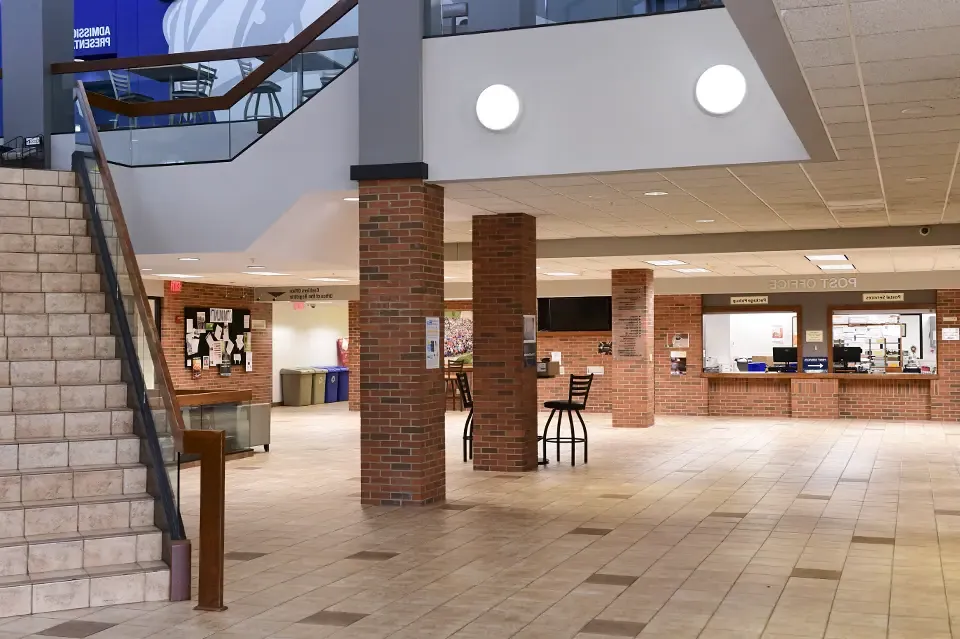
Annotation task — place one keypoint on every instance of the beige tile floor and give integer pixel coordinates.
(712, 528)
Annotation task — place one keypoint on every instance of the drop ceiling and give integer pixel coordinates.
(885, 75)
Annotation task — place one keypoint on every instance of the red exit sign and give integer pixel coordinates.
(176, 286)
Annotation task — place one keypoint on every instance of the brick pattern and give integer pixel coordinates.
(633, 313)
(737, 397)
(579, 350)
(945, 392)
(401, 402)
(679, 394)
(353, 334)
(816, 398)
(504, 390)
(865, 398)
(211, 295)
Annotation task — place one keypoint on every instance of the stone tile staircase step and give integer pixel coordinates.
(37, 558)
(33, 399)
(75, 347)
(75, 515)
(51, 303)
(45, 263)
(24, 226)
(60, 372)
(55, 325)
(45, 484)
(69, 425)
(84, 588)
(25, 454)
(45, 243)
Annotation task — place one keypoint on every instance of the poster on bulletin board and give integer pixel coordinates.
(217, 336)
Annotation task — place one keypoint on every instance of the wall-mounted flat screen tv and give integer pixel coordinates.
(574, 314)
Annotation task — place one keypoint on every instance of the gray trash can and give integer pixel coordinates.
(319, 385)
(296, 386)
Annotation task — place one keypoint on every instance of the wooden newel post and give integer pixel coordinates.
(211, 446)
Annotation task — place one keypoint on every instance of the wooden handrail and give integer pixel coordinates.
(211, 446)
(194, 57)
(283, 54)
(175, 417)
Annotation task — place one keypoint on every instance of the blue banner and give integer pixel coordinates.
(814, 364)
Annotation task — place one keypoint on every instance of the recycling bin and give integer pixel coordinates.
(343, 393)
(296, 386)
(319, 385)
(332, 393)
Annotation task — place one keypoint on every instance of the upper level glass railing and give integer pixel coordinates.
(209, 106)
(457, 17)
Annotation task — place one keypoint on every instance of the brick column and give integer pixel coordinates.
(353, 334)
(505, 391)
(401, 284)
(633, 348)
(945, 391)
(679, 394)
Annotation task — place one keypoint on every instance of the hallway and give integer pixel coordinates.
(715, 528)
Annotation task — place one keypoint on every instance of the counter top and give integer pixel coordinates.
(846, 376)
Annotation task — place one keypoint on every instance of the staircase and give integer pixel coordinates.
(76, 522)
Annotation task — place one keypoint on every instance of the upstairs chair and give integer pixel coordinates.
(463, 384)
(120, 80)
(202, 87)
(450, 379)
(266, 88)
(576, 401)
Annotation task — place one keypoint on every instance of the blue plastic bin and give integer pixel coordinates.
(752, 367)
(332, 393)
(343, 393)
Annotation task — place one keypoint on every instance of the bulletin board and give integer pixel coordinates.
(217, 336)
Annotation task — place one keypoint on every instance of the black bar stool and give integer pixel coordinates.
(576, 402)
(466, 400)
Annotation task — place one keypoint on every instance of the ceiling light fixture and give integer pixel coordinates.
(666, 263)
(498, 107)
(179, 276)
(721, 89)
(691, 270)
(189, 259)
(655, 193)
(705, 221)
(561, 274)
(917, 110)
(836, 267)
(326, 279)
(351, 199)
(146, 269)
(450, 277)
(254, 267)
(915, 180)
(266, 273)
(827, 258)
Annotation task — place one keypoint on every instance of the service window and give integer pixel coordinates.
(754, 342)
(874, 342)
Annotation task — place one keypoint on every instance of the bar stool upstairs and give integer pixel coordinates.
(466, 400)
(576, 401)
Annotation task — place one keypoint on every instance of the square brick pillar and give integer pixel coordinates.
(401, 284)
(504, 390)
(353, 334)
(633, 348)
(945, 391)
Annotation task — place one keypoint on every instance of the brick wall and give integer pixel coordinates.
(679, 394)
(945, 392)
(211, 295)
(353, 334)
(865, 398)
(633, 311)
(814, 398)
(402, 453)
(749, 397)
(578, 350)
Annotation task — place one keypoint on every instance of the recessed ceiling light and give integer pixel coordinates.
(266, 273)
(915, 180)
(498, 107)
(326, 279)
(254, 267)
(189, 259)
(827, 258)
(146, 269)
(450, 277)
(721, 89)
(351, 199)
(666, 263)
(561, 274)
(691, 270)
(836, 267)
(656, 193)
(917, 110)
(705, 221)
(179, 276)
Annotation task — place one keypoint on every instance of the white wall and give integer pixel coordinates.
(613, 95)
(306, 338)
(716, 339)
(729, 336)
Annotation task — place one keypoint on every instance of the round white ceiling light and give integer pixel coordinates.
(498, 107)
(721, 89)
